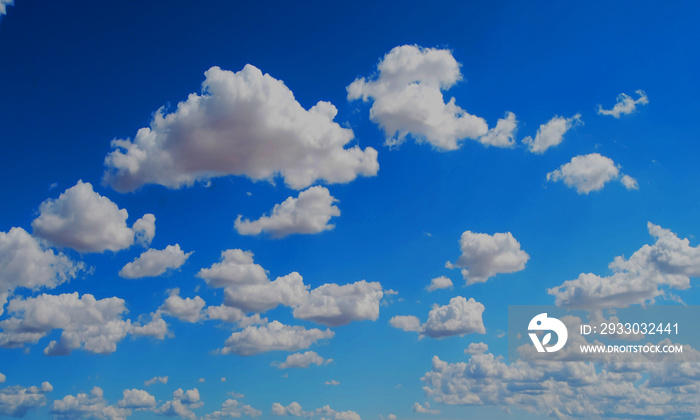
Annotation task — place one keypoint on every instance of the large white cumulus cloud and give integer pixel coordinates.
(243, 123)
(484, 256)
(408, 99)
(82, 219)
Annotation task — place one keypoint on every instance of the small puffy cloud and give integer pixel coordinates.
(629, 182)
(476, 348)
(84, 220)
(93, 325)
(484, 256)
(503, 134)
(153, 262)
(670, 262)
(4, 4)
(459, 317)
(302, 360)
(182, 404)
(233, 409)
(244, 123)
(589, 173)
(437, 283)
(188, 309)
(156, 379)
(137, 399)
(424, 409)
(92, 406)
(333, 305)
(406, 323)
(625, 104)
(16, 401)
(236, 267)
(407, 95)
(332, 382)
(25, 263)
(551, 133)
(288, 290)
(273, 336)
(325, 413)
(309, 213)
(2, 378)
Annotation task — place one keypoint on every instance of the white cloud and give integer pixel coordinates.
(288, 290)
(459, 317)
(232, 409)
(93, 325)
(568, 389)
(408, 99)
(484, 256)
(406, 323)
(137, 399)
(273, 336)
(4, 4)
(145, 230)
(307, 214)
(182, 404)
(551, 133)
(302, 360)
(437, 283)
(325, 412)
(424, 409)
(332, 382)
(93, 406)
(629, 182)
(476, 348)
(2, 378)
(156, 379)
(589, 173)
(503, 134)
(670, 262)
(25, 263)
(84, 220)
(236, 267)
(188, 309)
(224, 313)
(153, 262)
(16, 401)
(625, 104)
(243, 123)
(333, 305)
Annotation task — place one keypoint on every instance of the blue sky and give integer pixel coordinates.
(368, 150)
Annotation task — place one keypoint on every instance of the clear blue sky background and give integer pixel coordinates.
(76, 74)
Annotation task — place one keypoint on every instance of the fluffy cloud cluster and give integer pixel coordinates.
(325, 413)
(302, 360)
(233, 409)
(182, 404)
(82, 219)
(248, 288)
(153, 262)
(625, 104)
(156, 379)
(670, 262)
(309, 213)
(551, 133)
(92, 406)
(438, 283)
(407, 95)
(93, 325)
(187, 309)
(484, 256)
(476, 348)
(571, 389)
(459, 317)
(424, 409)
(589, 173)
(16, 401)
(244, 123)
(25, 263)
(272, 336)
